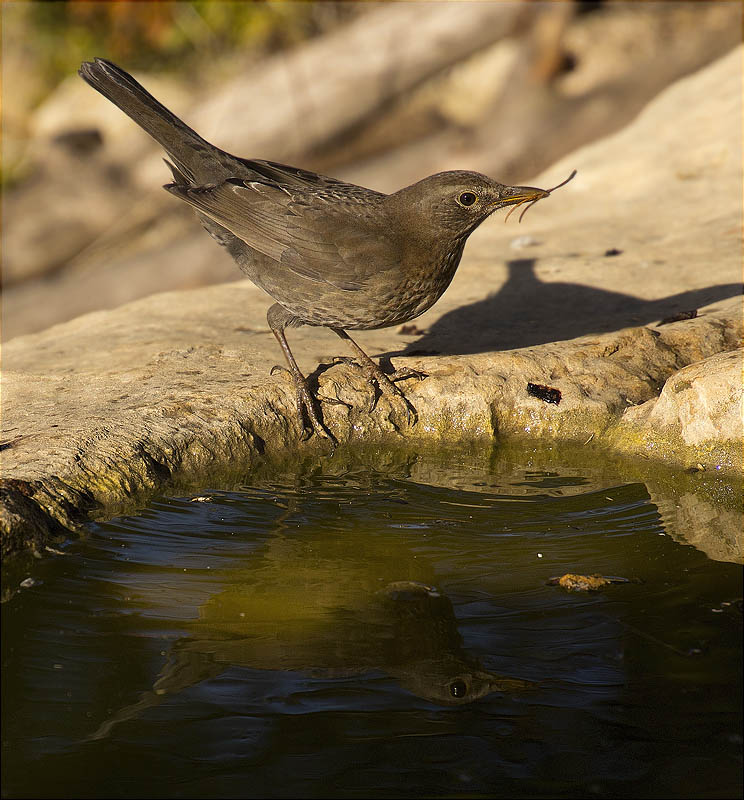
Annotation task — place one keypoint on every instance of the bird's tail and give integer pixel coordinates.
(192, 155)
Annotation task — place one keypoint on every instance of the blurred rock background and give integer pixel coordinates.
(380, 94)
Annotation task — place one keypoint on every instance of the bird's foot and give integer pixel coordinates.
(306, 408)
(385, 383)
(403, 373)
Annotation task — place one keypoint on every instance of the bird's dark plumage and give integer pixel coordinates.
(330, 253)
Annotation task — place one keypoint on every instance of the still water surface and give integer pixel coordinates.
(358, 634)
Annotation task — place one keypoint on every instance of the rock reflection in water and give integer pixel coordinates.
(407, 629)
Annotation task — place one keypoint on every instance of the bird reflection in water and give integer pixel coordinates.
(407, 629)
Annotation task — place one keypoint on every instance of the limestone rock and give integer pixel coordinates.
(700, 403)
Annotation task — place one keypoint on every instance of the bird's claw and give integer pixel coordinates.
(305, 408)
(411, 413)
(345, 360)
(403, 373)
(382, 383)
(386, 385)
(334, 401)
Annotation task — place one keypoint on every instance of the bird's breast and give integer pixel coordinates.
(401, 295)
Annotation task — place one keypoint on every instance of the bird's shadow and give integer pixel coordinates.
(526, 312)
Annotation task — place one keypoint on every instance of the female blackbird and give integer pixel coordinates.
(330, 253)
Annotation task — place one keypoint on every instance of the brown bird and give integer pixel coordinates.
(330, 253)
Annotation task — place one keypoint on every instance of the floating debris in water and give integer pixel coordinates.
(613, 251)
(546, 393)
(729, 605)
(204, 498)
(27, 583)
(573, 582)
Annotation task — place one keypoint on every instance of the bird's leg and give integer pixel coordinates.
(385, 383)
(278, 319)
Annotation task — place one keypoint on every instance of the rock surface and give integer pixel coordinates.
(114, 403)
(699, 408)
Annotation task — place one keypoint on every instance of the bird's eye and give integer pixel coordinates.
(467, 199)
(458, 688)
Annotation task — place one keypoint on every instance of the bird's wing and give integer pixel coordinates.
(314, 234)
(288, 176)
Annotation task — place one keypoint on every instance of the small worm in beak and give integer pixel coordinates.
(531, 203)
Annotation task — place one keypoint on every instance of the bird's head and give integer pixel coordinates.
(458, 201)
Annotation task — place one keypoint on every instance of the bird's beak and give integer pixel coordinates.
(516, 195)
(525, 195)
